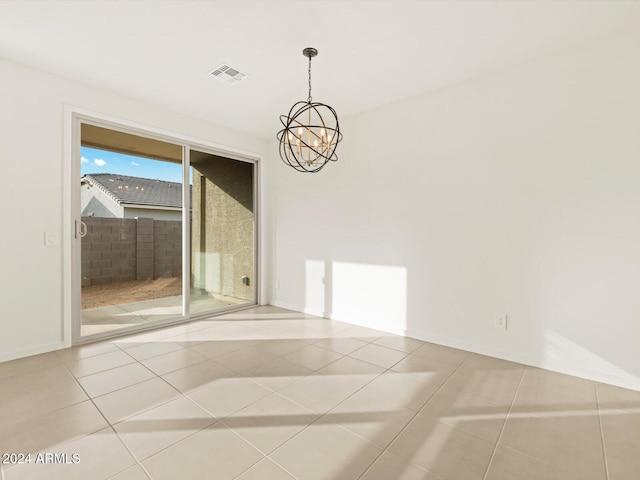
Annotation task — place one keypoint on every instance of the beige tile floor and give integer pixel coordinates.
(271, 394)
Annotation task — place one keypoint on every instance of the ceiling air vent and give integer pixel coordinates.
(227, 73)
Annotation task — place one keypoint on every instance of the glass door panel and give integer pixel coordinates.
(222, 233)
(131, 227)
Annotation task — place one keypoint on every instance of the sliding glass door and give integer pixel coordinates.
(131, 209)
(144, 233)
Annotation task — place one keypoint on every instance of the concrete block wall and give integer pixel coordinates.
(108, 251)
(144, 249)
(167, 248)
(122, 249)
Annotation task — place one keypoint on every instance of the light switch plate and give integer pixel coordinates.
(50, 239)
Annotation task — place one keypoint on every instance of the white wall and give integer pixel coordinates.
(31, 172)
(516, 193)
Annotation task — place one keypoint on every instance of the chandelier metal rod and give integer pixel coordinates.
(309, 99)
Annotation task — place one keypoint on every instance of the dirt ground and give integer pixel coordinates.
(127, 292)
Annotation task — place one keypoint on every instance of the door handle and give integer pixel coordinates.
(81, 229)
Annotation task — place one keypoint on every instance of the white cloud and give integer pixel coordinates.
(84, 160)
(135, 164)
(98, 162)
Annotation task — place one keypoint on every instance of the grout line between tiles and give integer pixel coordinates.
(81, 358)
(352, 358)
(48, 412)
(171, 371)
(386, 449)
(268, 459)
(37, 367)
(155, 354)
(42, 414)
(504, 424)
(406, 355)
(138, 413)
(320, 416)
(128, 468)
(90, 399)
(146, 472)
(248, 443)
(117, 389)
(126, 447)
(604, 451)
(146, 409)
(108, 423)
(139, 462)
(102, 371)
(295, 477)
(248, 376)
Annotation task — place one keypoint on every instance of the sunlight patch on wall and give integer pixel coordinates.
(315, 287)
(374, 295)
(559, 350)
(205, 271)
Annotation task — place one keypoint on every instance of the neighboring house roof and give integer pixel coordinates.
(137, 191)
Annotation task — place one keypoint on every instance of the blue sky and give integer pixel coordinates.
(102, 161)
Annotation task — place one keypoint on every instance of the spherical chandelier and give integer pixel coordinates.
(311, 132)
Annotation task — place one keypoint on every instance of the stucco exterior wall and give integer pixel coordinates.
(222, 246)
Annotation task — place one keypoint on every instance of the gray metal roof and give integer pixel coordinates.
(138, 191)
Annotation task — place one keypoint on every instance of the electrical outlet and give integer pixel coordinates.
(501, 321)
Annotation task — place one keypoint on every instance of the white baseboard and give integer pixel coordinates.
(629, 381)
(297, 308)
(27, 352)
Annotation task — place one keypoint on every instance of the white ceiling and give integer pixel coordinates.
(370, 52)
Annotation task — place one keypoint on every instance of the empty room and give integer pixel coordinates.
(320, 240)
